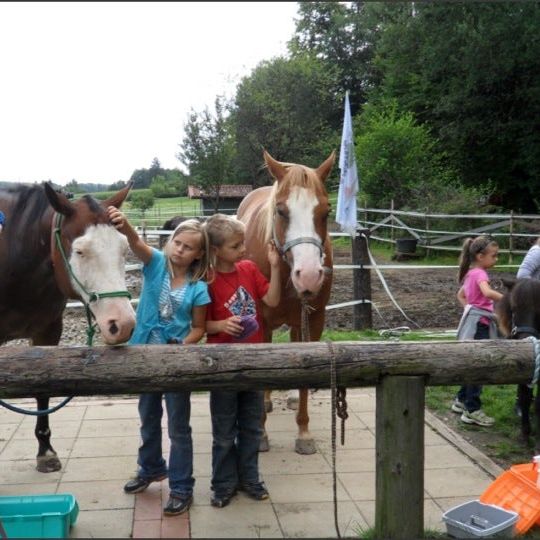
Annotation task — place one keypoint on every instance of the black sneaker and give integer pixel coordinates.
(222, 498)
(138, 484)
(256, 491)
(177, 505)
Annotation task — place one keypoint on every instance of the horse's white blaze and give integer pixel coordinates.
(306, 271)
(98, 261)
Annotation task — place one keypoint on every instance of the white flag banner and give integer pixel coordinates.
(348, 181)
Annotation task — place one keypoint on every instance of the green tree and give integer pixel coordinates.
(208, 149)
(338, 34)
(142, 200)
(142, 178)
(284, 106)
(399, 160)
(469, 70)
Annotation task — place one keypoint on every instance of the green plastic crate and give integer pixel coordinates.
(38, 516)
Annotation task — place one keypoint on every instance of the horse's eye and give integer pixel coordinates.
(282, 213)
(79, 252)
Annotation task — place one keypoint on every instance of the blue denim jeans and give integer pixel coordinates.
(469, 394)
(150, 460)
(237, 431)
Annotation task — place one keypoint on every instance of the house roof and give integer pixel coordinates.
(226, 191)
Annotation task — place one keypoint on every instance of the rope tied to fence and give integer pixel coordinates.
(536, 353)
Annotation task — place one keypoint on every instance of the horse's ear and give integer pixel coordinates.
(277, 170)
(118, 198)
(324, 168)
(58, 200)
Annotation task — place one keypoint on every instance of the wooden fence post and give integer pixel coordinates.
(399, 467)
(362, 316)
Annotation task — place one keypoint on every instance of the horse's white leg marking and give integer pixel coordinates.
(304, 442)
(292, 399)
(307, 273)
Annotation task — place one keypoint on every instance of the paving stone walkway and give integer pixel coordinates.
(97, 441)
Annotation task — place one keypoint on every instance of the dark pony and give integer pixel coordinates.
(518, 313)
(170, 225)
(35, 281)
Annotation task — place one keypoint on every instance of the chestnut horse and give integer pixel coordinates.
(294, 214)
(52, 249)
(518, 313)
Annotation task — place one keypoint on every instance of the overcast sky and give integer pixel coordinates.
(92, 91)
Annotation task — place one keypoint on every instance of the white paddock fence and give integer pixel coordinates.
(513, 232)
(510, 230)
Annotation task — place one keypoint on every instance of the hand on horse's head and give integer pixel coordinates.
(273, 254)
(116, 217)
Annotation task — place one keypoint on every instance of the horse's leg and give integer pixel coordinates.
(264, 445)
(304, 442)
(524, 401)
(46, 459)
(268, 406)
(292, 401)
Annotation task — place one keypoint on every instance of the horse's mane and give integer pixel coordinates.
(29, 207)
(297, 176)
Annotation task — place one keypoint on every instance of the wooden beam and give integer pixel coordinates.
(63, 371)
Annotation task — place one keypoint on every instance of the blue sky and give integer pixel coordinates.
(92, 91)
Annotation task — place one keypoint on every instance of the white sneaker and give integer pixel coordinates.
(478, 417)
(458, 406)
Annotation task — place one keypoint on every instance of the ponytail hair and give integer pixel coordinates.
(469, 251)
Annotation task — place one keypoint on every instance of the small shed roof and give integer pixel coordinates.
(226, 191)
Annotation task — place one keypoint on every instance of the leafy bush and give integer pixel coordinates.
(399, 160)
(142, 200)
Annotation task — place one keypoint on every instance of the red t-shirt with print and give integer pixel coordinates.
(237, 293)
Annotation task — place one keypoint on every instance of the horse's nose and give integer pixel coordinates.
(113, 328)
(308, 280)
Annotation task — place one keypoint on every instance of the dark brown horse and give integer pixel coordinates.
(170, 225)
(519, 317)
(294, 214)
(35, 281)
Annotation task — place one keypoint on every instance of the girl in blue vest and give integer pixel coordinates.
(172, 309)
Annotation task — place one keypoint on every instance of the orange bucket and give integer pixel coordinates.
(516, 490)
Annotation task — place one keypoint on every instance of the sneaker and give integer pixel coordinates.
(478, 417)
(177, 505)
(458, 406)
(256, 491)
(138, 484)
(222, 498)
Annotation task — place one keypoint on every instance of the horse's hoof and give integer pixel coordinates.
(305, 446)
(47, 464)
(292, 403)
(264, 445)
(268, 406)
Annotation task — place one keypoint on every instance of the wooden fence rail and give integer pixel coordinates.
(400, 372)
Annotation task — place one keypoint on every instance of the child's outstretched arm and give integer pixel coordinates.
(139, 248)
(488, 292)
(271, 298)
